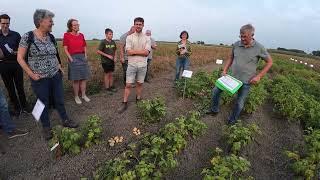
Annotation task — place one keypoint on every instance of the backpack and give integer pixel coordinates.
(31, 41)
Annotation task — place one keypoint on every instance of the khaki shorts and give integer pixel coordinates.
(136, 73)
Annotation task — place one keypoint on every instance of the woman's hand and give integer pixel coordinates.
(60, 68)
(35, 76)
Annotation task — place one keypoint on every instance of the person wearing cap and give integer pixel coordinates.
(11, 72)
(153, 47)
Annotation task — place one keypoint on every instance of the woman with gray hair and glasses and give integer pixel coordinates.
(39, 57)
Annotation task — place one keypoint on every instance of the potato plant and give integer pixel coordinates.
(155, 154)
(226, 167)
(240, 135)
(92, 131)
(307, 165)
(72, 140)
(152, 110)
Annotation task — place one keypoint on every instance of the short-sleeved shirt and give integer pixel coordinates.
(245, 60)
(75, 43)
(138, 41)
(108, 47)
(123, 39)
(153, 43)
(42, 58)
(8, 45)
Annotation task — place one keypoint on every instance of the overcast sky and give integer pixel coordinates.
(279, 23)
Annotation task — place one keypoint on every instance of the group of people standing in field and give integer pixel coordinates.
(37, 54)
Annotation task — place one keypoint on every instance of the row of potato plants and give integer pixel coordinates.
(232, 166)
(295, 92)
(155, 154)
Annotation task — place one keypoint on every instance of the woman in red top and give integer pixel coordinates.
(78, 70)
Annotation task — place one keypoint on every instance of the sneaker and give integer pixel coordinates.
(212, 113)
(77, 100)
(70, 123)
(17, 133)
(124, 107)
(47, 133)
(86, 99)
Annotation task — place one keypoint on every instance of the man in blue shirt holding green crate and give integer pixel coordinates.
(243, 61)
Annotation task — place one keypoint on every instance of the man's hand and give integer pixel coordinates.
(109, 56)
(255, 80)
(122, 60)
(224, 73)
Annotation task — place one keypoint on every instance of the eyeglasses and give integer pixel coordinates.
(244, 37)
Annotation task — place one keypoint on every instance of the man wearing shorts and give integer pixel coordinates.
(138, 47)
(107, 50)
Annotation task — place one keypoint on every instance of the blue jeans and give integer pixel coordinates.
(241, 98)
(5, 119)
(181, 63)
(46, 87)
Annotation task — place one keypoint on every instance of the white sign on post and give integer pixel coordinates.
(219, 61)
(186, 73)
(38, 109)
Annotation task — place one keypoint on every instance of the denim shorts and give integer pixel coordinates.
(136, 73)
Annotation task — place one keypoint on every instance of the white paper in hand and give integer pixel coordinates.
(8, 48)
(38, 109)
(219, 61)
(186, 74)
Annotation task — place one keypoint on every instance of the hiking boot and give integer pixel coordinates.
(27, 109)
(14, 113)
(47, 133)
(123, 107)
(70, 123)
(212, 113)
(17, 133)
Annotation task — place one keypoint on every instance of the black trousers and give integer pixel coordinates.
(12, 77)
